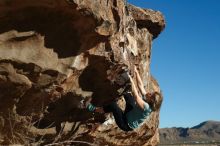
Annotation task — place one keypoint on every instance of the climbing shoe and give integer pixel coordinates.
(91, 107)
(86, 104)
(122, 78)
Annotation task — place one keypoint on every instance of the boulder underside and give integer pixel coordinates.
(55, 53)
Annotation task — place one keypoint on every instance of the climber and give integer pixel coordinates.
(139, 105)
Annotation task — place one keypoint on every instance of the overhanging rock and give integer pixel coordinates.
(54, 53)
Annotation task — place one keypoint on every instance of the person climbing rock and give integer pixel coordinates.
(139, 105)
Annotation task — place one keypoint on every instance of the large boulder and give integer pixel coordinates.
(55, 53)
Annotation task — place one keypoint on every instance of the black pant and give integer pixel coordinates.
(119, 115)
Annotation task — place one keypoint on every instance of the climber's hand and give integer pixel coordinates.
(99, 110)
(130, 78)
(135, 69)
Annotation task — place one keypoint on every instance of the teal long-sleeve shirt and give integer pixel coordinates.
(137, 116)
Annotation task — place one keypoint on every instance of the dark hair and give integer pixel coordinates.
(155, 101)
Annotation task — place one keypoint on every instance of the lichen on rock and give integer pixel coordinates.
(55, 53)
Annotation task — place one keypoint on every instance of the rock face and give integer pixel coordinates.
(55, 53)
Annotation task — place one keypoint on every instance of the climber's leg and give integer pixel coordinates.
(118, 114)
(130, 102)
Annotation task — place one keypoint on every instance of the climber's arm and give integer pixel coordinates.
(139, 82)
(135, 94)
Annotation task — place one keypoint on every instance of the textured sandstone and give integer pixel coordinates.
(54, 53)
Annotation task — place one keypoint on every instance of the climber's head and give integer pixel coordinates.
(154, 100)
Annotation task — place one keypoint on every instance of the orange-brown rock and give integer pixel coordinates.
(55, 53)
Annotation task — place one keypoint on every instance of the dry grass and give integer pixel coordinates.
(15, 130)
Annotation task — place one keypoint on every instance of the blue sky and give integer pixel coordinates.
(186, 60)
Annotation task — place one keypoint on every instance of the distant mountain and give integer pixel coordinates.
(208, 131)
